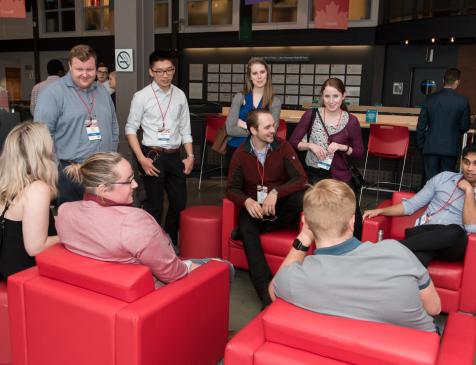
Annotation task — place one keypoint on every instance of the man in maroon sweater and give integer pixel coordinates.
(267, 181)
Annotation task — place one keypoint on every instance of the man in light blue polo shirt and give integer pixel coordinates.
(441, 232)
(80, 116)
(381, 282)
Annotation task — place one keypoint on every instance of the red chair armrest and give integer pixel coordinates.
(241, 349)
(468, 286)
(459, 340)
(229, 221)
(372, 226)
(157, 326)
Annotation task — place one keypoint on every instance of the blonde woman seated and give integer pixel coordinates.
(28, 178)
(105, 226)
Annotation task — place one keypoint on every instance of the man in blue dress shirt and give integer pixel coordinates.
(80, 116)
(441, 232)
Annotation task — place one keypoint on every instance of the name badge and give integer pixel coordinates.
(163, 136)
(422, 220)
(325, 164)
(92, 130)
(261, 193)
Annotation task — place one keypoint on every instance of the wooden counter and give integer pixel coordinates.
(410, 121)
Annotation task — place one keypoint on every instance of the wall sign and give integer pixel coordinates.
(124, 60)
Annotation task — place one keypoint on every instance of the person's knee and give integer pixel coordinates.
(455, 232)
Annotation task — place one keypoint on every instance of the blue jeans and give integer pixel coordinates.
(205, 260)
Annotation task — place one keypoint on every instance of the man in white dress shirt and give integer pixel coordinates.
(161, 110)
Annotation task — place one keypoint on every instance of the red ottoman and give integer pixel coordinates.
(5, 352)
(200, 232)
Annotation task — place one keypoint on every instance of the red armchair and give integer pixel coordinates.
(454, 281)
(286, 334)
(75, 310)
(276, 245)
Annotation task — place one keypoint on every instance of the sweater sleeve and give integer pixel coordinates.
(232, 128)
(297, 176)
(355, 135)
(235, 183)
(275, 110)
(301, 128)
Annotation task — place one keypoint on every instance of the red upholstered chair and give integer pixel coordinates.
(282, 129)
(276, 245)
(75, 310)
(5, 353)
(455, 281)
(286, 334)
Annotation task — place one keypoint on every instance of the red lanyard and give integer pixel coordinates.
(447, 203)
(259, 172)
(90, 110)
(168, 106)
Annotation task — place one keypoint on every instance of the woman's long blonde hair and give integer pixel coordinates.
(27, 156)
(268, 87)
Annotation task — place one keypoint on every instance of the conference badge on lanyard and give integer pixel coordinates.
(92, 129)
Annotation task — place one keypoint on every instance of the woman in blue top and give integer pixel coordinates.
(257, 94)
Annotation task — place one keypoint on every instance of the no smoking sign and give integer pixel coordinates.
(124, 60)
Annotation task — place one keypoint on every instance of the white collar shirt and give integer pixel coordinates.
(153, 109)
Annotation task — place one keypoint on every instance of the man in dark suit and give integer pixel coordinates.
(444, 117)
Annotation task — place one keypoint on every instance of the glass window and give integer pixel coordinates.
(161, 13)
(276, 11)
(209, 12)
(59, 16)
(98, 15)
(358, 10)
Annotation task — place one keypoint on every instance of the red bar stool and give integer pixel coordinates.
(200, 231)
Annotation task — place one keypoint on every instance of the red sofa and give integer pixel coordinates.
(276, 245)
(286, 334)
(455, 281)
(75, 310)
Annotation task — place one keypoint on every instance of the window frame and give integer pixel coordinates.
(185, 28)
(168, 28)
(101, 31)
(371, 22)
(42, 21)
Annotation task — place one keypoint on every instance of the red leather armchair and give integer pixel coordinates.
(286, 334)
(276, 245)
(75, 310)
(455, 281)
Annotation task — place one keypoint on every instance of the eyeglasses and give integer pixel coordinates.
(128, 182)
(169, 71)
(270, 218)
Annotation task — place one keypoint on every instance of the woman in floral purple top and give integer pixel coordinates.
(330, 138)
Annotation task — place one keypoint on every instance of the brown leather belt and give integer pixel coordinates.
(164, 150)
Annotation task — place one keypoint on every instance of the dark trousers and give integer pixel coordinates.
(68, 190)
(288, 210)
(436, 241)
(316, 175)
(170, 180)
(434, 164)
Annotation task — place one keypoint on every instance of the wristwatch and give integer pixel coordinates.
(297, 244)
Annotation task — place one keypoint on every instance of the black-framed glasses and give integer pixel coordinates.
(160, 72)
(128, 182)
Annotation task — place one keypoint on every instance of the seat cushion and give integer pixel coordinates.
(446, 275)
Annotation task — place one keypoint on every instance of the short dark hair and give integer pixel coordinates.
(160, 55)
(54, 67)
(102, 64)
(253, 118)
(82, 52)
(451, 75)
(470, 148)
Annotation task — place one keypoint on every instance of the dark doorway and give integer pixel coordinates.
(424, 82)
